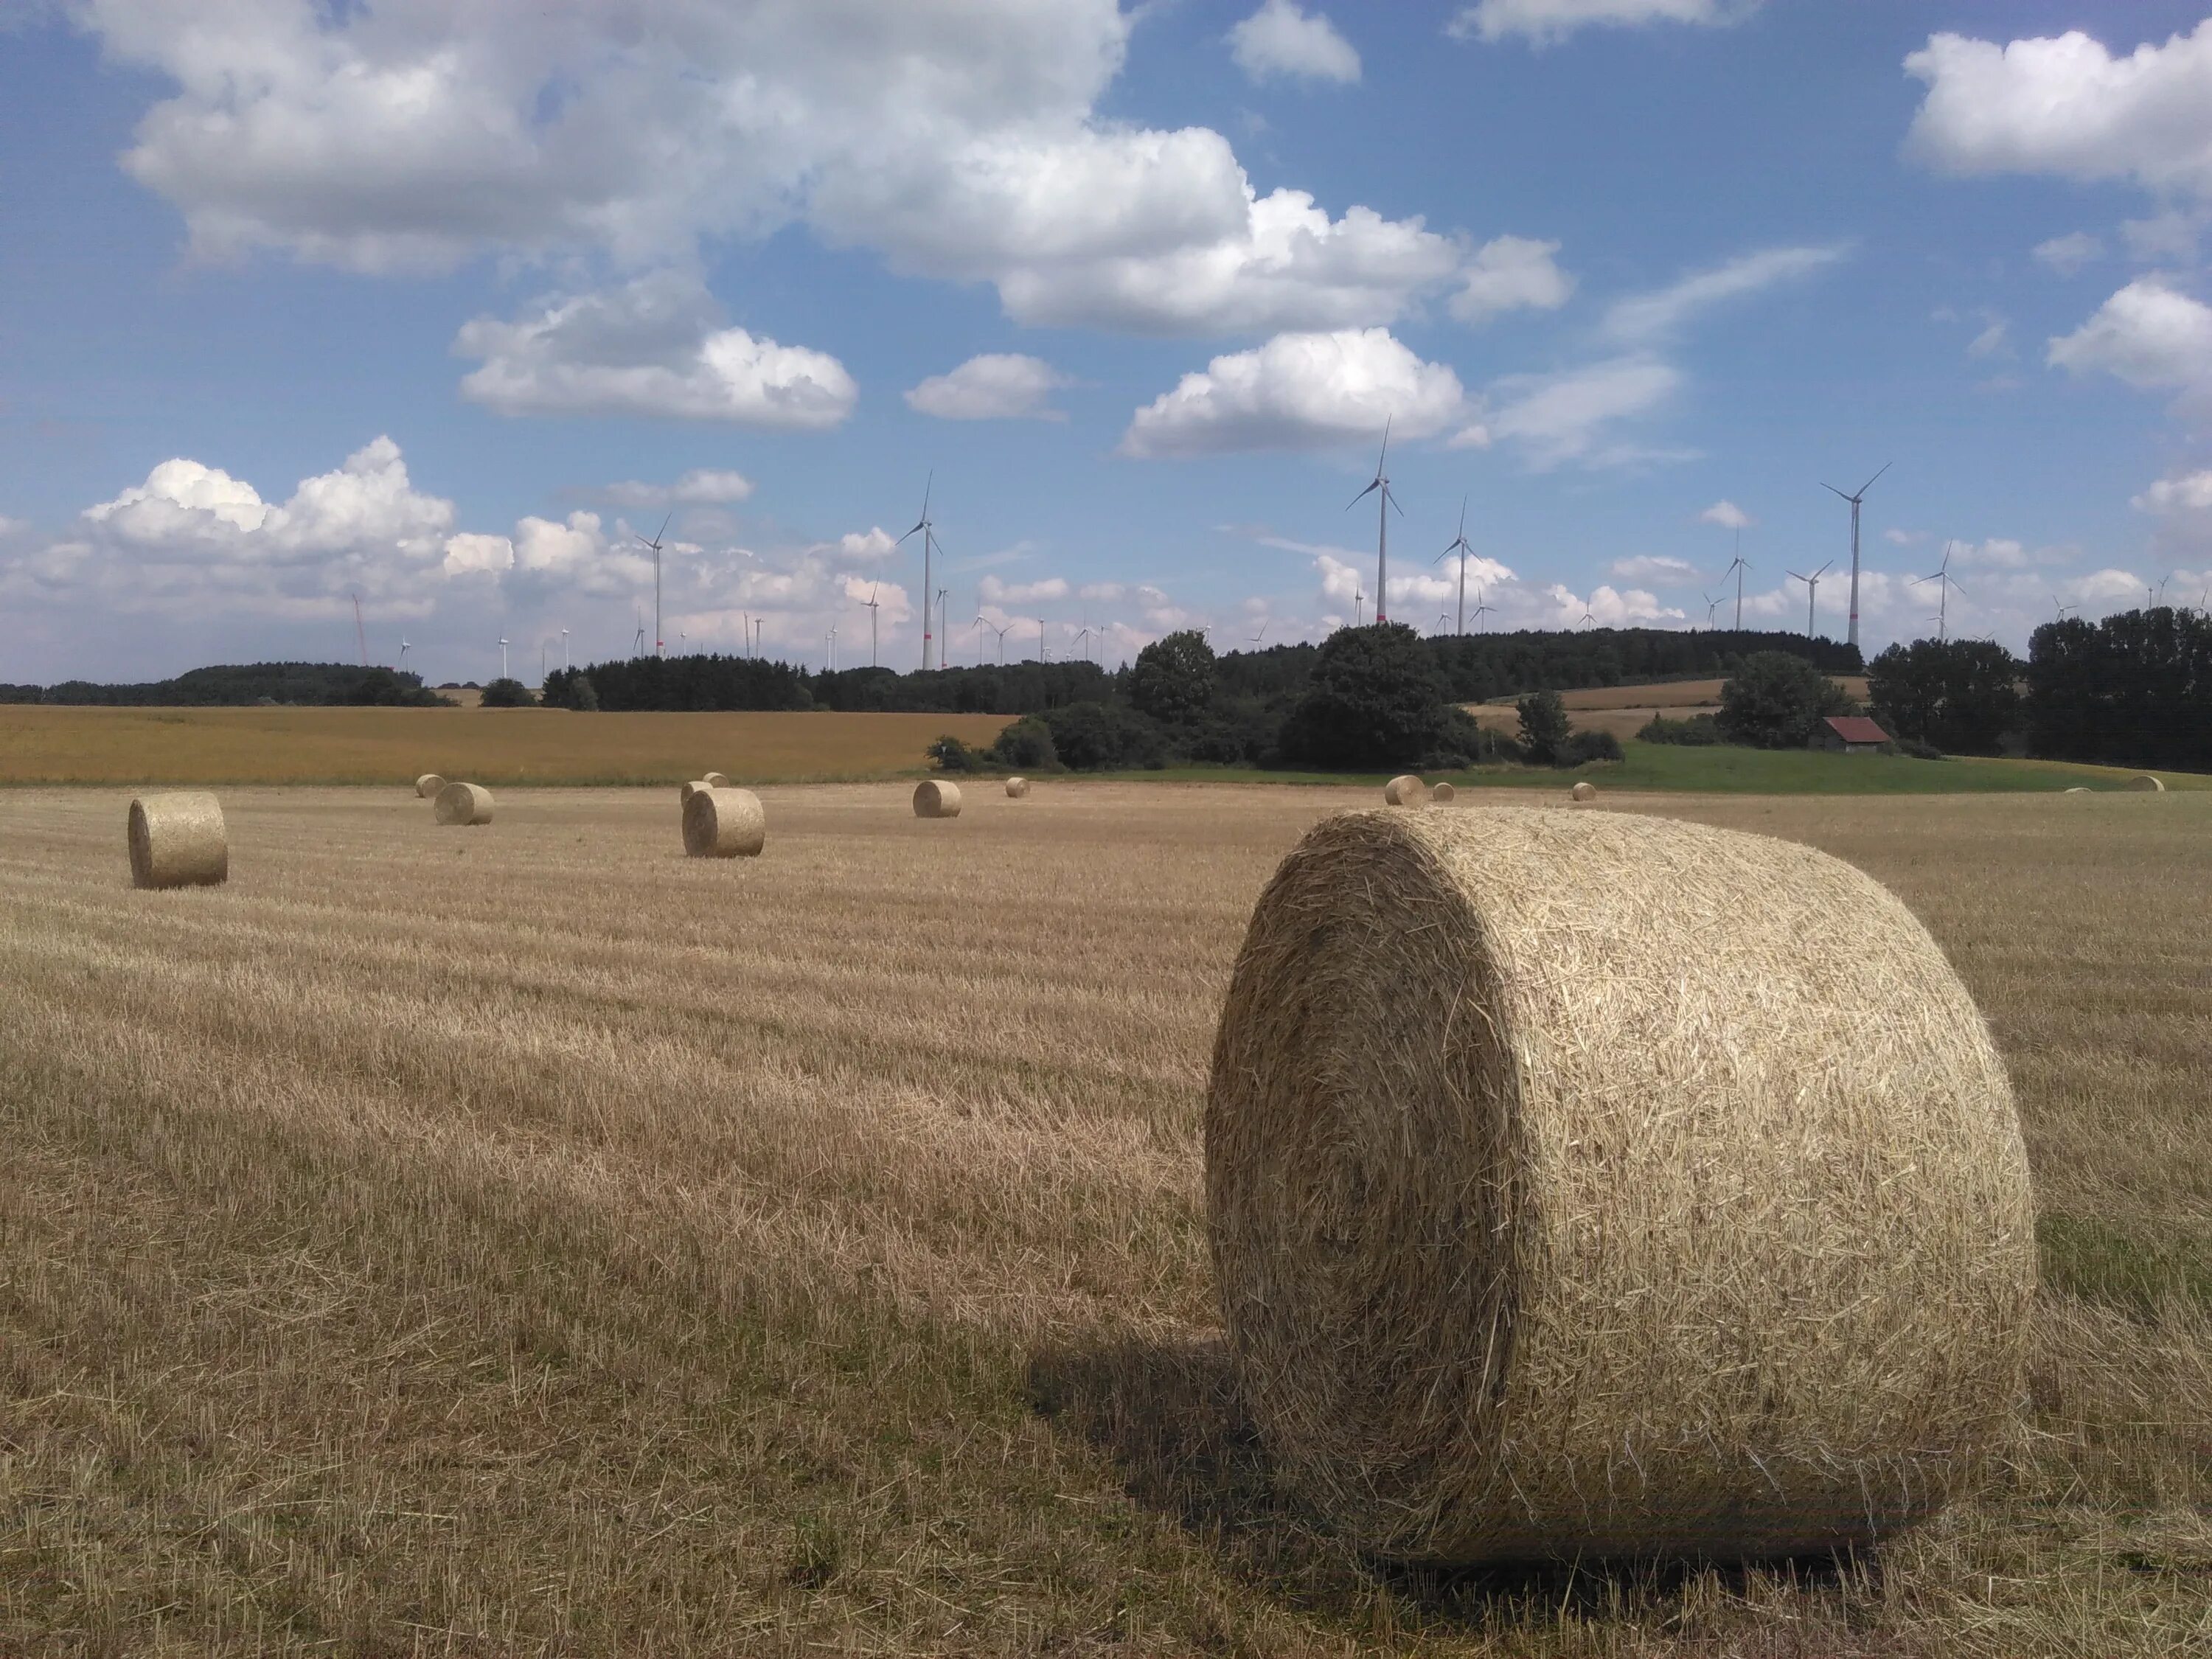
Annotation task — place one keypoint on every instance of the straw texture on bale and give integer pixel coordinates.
(1405, 790)
(1593, 1184)
(464, 803)
(697, 786)
(1585, 791)
(1443, 794)
(178, 840)
(715, 781)
(936, 799)
(1018, 787)
(724, 824)
(2147, 785)
(427, 786)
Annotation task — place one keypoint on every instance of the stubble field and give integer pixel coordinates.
(525, 1241)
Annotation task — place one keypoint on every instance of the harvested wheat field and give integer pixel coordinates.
(536, 1242)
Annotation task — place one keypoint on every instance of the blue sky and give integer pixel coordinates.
(437, 306)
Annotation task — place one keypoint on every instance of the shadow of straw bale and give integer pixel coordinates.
(1168, 1416)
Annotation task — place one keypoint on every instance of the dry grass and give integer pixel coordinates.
(495, 747)
(539, 1243)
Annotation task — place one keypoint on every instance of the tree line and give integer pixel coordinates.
(244, 684)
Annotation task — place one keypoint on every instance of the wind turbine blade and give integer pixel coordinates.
(1363, 495)
(1833, 491)
(663, 531)
(1463, 517)
(1869, 484)
(1393, 500)
(1386, 446)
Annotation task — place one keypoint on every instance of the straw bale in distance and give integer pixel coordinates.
(1405, 790)
(1443, 794)
(178, 840)
(2147, 785)
(934, 798)
(696, 786)
(1018, 787)
(1587, 1183)
(464, 803)
(713, 781)
(427, 786)
(2079, 789)
(1585, 790)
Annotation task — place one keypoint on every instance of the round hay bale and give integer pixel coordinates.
(1405, 790)
(1017, 788)
(934, 798)
(1443, 794)
(178, 840)
(724, 824)
(2147, 785)
(2079, 789)
(695, 787)
(1591, 1184)
(428, 785)
(715, 781)
(1584, 791)
(464, 803)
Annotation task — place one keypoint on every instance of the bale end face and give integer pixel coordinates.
(1405, 790)
(427, 786)
(461, 805)
(178, 840)
(2147, 785)
(1017, 788)
(713, 781)
(933, 799)
(1443, 794)
(1588, 1184)
(724, 824)
(697, 786)
(1585, 791)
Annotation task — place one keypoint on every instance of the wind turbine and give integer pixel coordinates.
(502, 656)
(1712, 605)
(1382, 507)
(1852, 638)
(655, 545)
(1358, 607)
(1481, 610)
(360, 634)
(2059, 608)
(1083, 639)
(872, 622)
(833, 648)
(1736, 569)
(1442, 616)
(1944, 581)
(943, 632)
(1459, 546)
(1255, 641)
(1041, 656)
(986, 622)
(1812, 592)
(564, 650)
(637, 649)
(404, 648)
(927, 531)
(1585, 618)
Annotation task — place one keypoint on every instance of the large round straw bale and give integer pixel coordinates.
(428, 785)
(715, 781)
(1018, 787)
(464, 803)
(177, 839)
(933, 799)
(724, 824)
(1592, 1184)
(697, 786)
(1443, 794)
(2147, 785)
(1584, 791)
(1405, 790)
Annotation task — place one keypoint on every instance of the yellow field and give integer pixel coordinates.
(527, 1241)
(1624, 710)
(41, 745)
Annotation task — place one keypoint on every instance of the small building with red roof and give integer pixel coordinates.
(1849, 734)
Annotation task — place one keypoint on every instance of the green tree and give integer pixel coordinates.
(1375, 700)
(1545, 727)
(507, 694)
(1173, 679)
(1775, 701)
(1027, 745)
(1961, 695)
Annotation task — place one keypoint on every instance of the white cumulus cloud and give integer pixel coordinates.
(1299, 391)
(702, 486)
(2149, 334)
(2069, 253)
(2065, 106)
(1283, 41)
(997, 386)
(1511, 273)
(1656, 569)
(1727, 514)
(652, 347)
(996, 592)
(1544, 21)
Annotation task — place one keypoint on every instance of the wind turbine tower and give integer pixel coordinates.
(1812, 592)
(872, 622)
(360, 633)
(503, 657)
(1852, 637)
(1482, 608)
(1381, 487)
(927, 531)
(655, 545)
(1459, 546)
(1736, 569)
(1944, 581)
